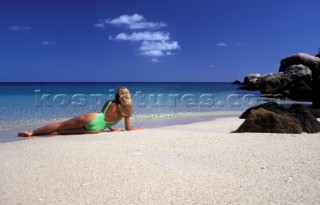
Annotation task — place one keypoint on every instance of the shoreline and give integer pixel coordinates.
(185, 118)
(196, 163)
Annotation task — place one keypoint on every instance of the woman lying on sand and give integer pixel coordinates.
(90, 123)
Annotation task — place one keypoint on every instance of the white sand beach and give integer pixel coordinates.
(199, 163)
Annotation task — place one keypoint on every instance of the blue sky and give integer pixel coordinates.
(151, 40)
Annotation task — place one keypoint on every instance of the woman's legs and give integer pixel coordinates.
(72, 124)
(74, 131)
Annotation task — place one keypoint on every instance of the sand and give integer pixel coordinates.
(199, 163)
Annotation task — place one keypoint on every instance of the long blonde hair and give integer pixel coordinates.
(123, 99)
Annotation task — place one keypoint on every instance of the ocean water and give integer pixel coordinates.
(28, 105)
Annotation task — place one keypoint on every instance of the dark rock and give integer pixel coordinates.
(272, 83)
(295, 83)
(250, 86)
(251, 78)
(316, 88)
(307, 120)
(300, 91)
(297, 72)
(251, 82)
(313, 63)
(271, 106)
(265, 121)
(298, 79)
(310, 61)
(278, 119)
(315, 112)
(236, 82)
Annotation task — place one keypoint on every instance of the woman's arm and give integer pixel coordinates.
(114, 129)
(128, 126)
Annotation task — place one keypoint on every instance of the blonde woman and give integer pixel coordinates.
(90, 123)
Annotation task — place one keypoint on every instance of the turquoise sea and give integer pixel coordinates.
(29, 105)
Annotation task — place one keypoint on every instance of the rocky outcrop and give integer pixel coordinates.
(295, 83)
(236, 82)
(298, 78)
(251, 82)
(315, 112)
(307, 120)
(271, 106)
(313, 63)
(265, 121)
(274, 118)
(307, 60)
(251, 78)
(316, 88)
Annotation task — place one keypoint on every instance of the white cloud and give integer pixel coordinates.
(159, 45)
(222, 44)
(147, 25)
(48, 43)
(153, 53)
(158, 48)
(143, 36)
(126, 19)
(154, 44)
(135, 21)
(19, 28)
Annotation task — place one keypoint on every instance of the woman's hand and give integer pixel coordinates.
(128, 126)
(135, 128)
(114, 129)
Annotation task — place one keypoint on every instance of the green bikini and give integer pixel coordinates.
(98, 122)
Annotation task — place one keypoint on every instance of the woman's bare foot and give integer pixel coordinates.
(25, 134)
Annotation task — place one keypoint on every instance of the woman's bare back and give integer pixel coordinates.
(113, 113)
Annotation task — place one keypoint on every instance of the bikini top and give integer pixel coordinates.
(98, 123)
